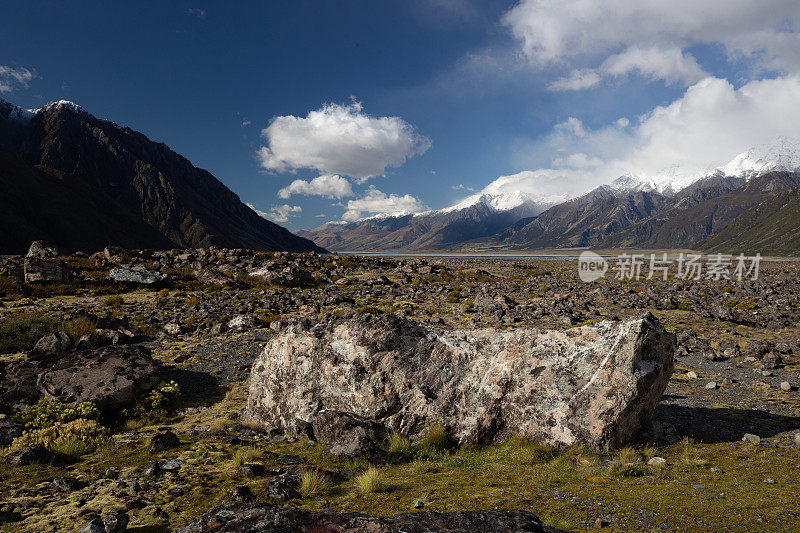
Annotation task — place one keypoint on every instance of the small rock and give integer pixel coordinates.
(769, 481)
(797, 438)
(94, 526)
(116, 523)
(691, 374)
(171, 465)
(30, 454)
(711, 385)
(282, 488)
(786, 386)
(111, 473)
(53, 344)
(252, 470)
(134, 486)
(749, 437)
(68, 484)
(163, 440)
(698, 486)
(151, 469)
(419, 504)
(290, 460)
(657, 461)
(175, 492)
(241, 493)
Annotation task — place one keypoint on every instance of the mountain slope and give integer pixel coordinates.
(187, 206)
(478, 216)
(44, 204)
(770, 227)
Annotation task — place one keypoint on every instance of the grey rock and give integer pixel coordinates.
(712, 385)
(39, 249)
(290, 460)
(9, 430)
(419, 504)
(749, 437)
(348, 435)
(141, 275)
(171, 465)
(36, 453)
(657, 461)
(163, 440)
(483, 384)
(116, 523)
(241, 493)
(55, 343)
(242, 323)
(94, 526)
(153, 468)
(111, 377)
(282, 488)
(786, 386)
(68, 484)
(266, 518)
(252, 470)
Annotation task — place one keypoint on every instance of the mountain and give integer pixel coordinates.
(770, 227)
(165, 200)
(478, 216)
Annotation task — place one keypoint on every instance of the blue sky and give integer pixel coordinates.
(414, 103)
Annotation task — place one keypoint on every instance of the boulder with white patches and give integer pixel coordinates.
(588, 385)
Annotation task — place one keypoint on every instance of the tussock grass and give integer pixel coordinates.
(72, 447)
(398, 443)
(435, 439)
(690, 453)
(246, 455)
(314, 483)
(371, 481)
(78, 327)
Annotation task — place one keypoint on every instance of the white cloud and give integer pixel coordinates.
(278, 213)
(340, 139)
(197, 12)
(577, 80)
(327, 185)
(246, 123)
(708, 126)
(12, 78)
(376, 202)
(651, 37)
(573, 126)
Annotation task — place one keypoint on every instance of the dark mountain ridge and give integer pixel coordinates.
(158, 188)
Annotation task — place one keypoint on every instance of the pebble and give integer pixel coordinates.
(786, 386)
(769, 481)
(691, 374)
(151, 469)
(797, 438)
(711, 385)
(171, 465)
(418, 504)
(657, 461)
(749, 437)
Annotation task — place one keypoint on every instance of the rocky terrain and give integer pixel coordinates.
(164, 390)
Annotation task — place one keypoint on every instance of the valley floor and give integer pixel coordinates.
(737, 373)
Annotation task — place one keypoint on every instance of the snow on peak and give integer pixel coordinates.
(782, 154)
(59, 103)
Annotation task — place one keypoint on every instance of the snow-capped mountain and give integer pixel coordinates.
(782, 154)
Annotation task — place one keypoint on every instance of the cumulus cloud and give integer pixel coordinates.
(14, 78)
(278, 213)
(327, 185)
(708, 126)
(340, 139)
(651, 37)
(377, 202)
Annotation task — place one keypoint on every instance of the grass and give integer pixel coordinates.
(72, 447)
(19, 333)
(78, 327)
(397, 443)
(371, 481)
(247, 455)
(435, 439)
(114, 301)
(314, 483)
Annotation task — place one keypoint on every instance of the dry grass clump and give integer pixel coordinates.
(314, 483)
(398, 443)
(246, 455)
(371, 481)
(690, 453)
(78, 327)
(435, 438)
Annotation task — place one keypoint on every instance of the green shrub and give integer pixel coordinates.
(156, 405)
(454, 296)
(19, 333)
(47, 414)
(371, 309)
(73, 438)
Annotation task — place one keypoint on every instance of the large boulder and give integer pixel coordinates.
(43, 264)
(590, 385)
(135, 275)
(111, 377)
(289, 276)
(265, 518)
